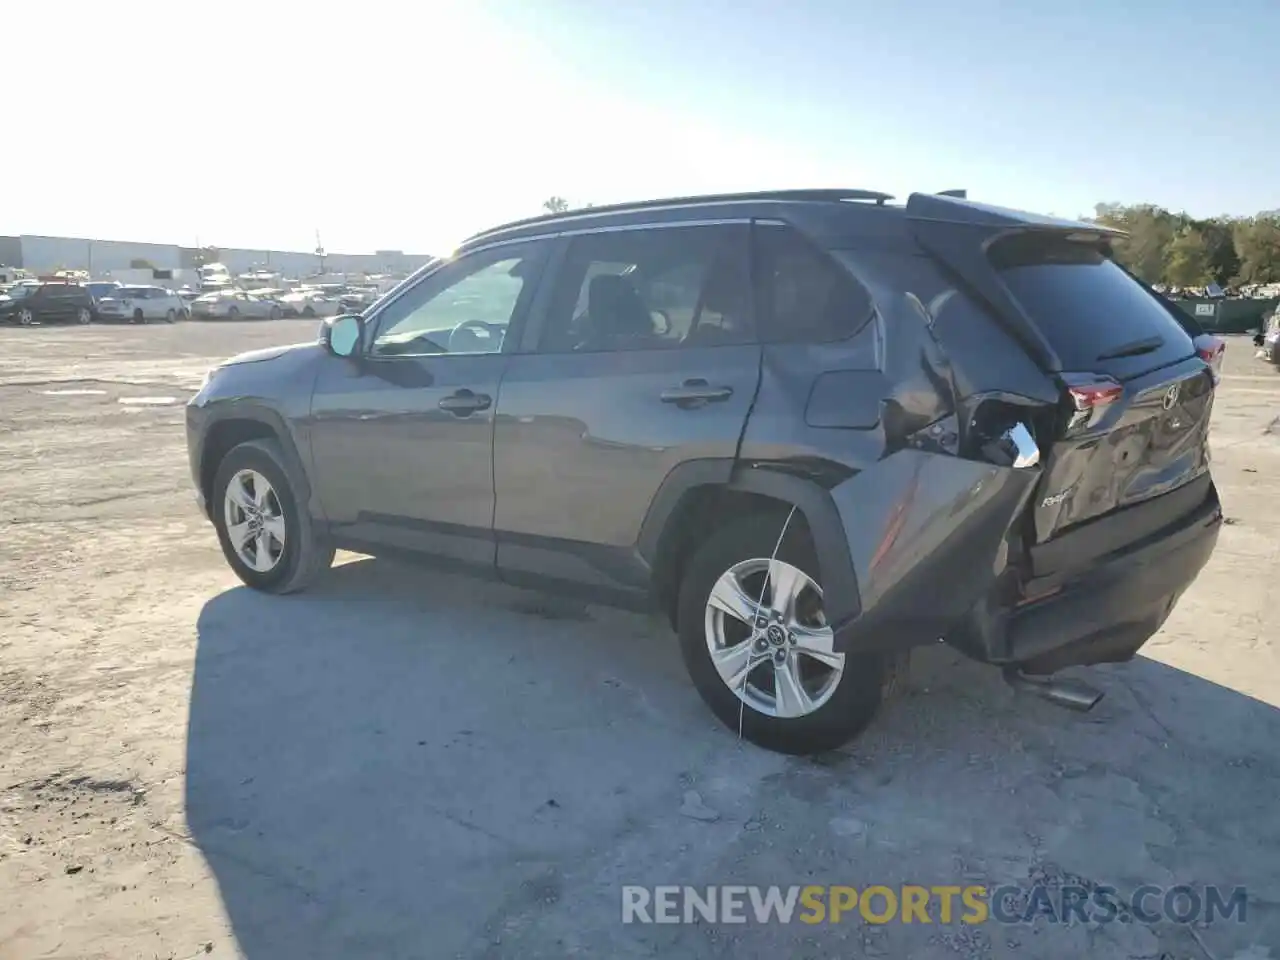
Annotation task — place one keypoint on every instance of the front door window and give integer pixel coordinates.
(465, 308)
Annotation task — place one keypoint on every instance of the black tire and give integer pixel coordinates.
(139, 317)
(309, 312)
(84, 316)
(233, 313)
(861, 689)
(170, 316)
(274, 314)
(306, 554)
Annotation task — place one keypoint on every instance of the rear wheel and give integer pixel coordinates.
(139, 317)
(170, 316)
(267, 537)
(275, 313)
(756, 642)
(309, 311)
(84, 315)
(25, 317)
(233, 313)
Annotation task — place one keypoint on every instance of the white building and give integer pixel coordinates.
(43, 255)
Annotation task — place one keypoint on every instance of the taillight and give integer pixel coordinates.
(1211, 350)
(1090, 395)
(1093, 395)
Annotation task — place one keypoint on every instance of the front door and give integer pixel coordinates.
(645, 358)
(402, 438)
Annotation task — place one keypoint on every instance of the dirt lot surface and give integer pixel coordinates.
(403, 764)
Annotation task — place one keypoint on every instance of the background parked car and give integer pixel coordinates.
(98, 289)
(236, 304)
(306, 302)
(1269, 339)
(356, 299)
(140, 304)
(26, 304)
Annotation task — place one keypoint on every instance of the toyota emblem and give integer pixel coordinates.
(1170, 397)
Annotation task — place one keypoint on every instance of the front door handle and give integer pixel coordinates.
(464, 402)
(696, 391)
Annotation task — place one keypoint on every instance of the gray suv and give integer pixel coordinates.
(814, 428)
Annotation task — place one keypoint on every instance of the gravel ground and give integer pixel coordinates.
(407, 764)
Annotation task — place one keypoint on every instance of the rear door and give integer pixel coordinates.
(1131, 434)
(643, 357)
(62, 305)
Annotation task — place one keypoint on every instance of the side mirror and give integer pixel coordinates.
(343, 334)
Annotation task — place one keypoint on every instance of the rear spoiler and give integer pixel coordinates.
(950, 206)
(959, 232)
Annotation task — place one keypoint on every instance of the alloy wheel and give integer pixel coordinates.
(25, 317)
(769, 640)
(255, 521)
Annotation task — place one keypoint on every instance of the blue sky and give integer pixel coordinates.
(413, 125)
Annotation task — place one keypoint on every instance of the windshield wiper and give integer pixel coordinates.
(1134, 348)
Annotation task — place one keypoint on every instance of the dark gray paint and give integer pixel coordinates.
(584, 441)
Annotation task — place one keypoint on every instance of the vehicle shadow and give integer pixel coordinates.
(402, 764)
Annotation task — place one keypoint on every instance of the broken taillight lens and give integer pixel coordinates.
(1211, 350)
(1090, 395)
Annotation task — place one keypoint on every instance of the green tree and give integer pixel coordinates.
(1151, 230)
(1189, 263)
(1219, 237)
(1258, 245)
(555, 205)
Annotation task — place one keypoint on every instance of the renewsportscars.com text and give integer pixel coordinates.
(911, 903)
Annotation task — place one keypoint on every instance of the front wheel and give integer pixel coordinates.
(84, 315)
(757, 645)
(25, 317)
(275, 313)
(139, 317)
(267, 537)
(170, 316)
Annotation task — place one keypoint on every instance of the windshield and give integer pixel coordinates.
(23, 290)
(102, 289)
(133, 292)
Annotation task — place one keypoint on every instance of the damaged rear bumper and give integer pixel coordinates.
(1105, 613)
(936, 552)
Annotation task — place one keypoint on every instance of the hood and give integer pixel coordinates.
(272, 353)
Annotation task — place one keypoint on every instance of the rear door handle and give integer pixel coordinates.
(464, 402)
(696, 391)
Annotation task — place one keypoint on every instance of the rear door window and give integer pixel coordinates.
(804, 295)
(1094, 315)
(651, 289)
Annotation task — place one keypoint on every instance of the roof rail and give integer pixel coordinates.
(824, 195)
(959, 194)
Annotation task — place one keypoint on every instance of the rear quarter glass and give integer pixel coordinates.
(1086, 306)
